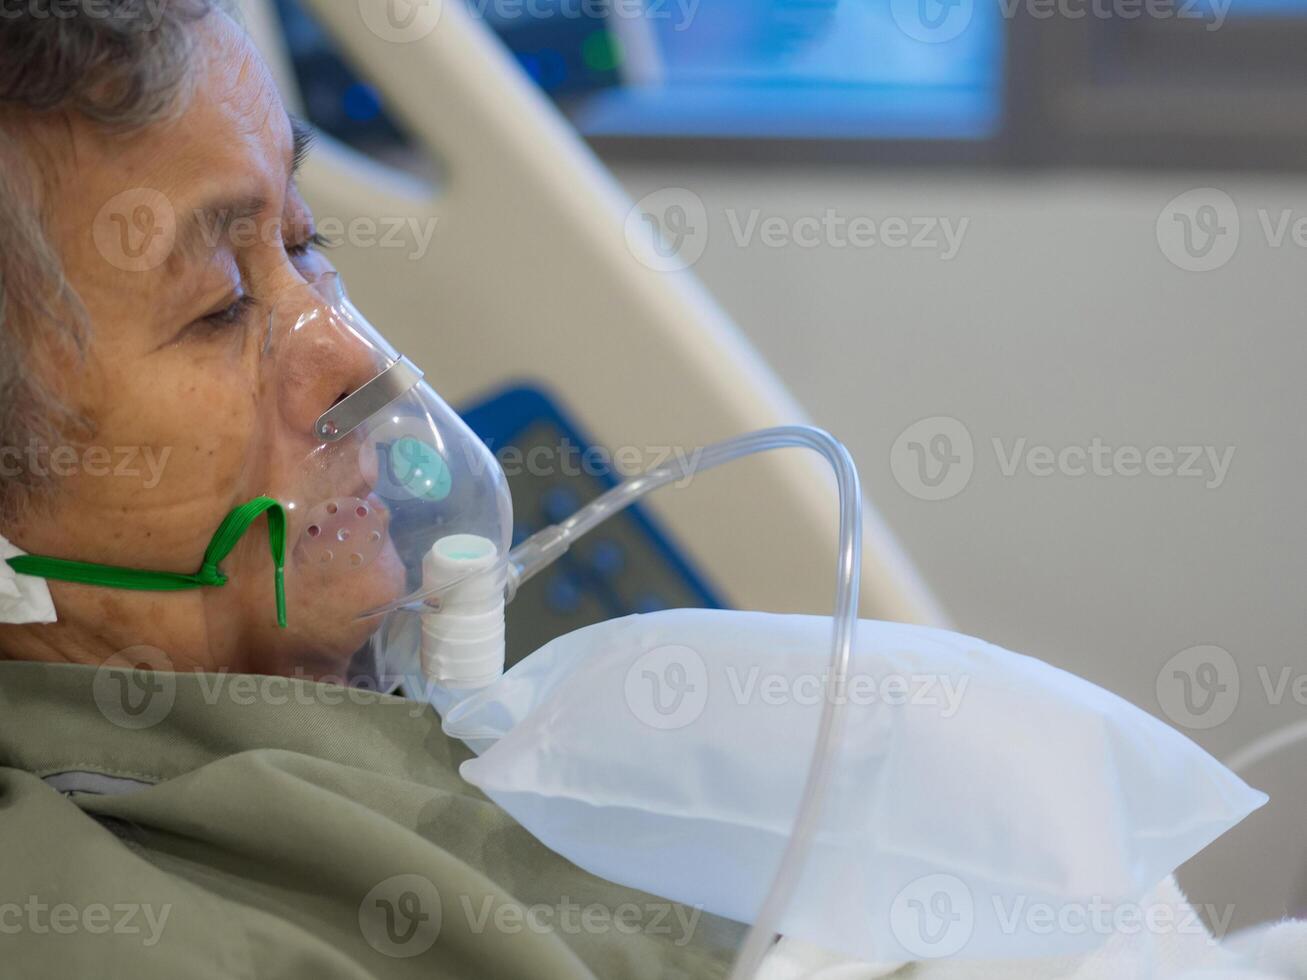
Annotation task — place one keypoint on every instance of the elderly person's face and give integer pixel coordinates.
(177, 372)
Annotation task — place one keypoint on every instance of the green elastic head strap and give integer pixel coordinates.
(224, 539)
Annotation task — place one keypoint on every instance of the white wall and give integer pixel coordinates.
(1059, 320)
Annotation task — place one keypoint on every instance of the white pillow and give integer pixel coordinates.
(986, 804)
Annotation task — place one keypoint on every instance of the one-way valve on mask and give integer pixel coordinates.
(463, 639)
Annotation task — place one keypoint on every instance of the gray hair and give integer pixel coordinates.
(122, 64)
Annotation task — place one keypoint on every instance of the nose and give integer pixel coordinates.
(325, 355)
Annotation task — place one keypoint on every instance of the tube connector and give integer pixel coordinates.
(463, 640)
(541, 549)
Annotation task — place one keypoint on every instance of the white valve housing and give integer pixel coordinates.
(463, 641)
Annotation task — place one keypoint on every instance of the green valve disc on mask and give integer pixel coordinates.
(417, 468)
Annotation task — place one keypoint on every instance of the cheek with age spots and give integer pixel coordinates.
(184, 442)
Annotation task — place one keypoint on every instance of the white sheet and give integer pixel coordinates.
(1277, 952)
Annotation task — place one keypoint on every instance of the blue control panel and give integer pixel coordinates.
(626, 565)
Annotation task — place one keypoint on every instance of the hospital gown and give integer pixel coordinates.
(208, 826)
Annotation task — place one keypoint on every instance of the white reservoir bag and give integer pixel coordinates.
(985, 803)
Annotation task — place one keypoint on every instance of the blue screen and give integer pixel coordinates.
(794, 68)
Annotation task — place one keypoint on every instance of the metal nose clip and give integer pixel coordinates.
(357, 407)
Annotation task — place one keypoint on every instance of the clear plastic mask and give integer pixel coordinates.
(383, 474)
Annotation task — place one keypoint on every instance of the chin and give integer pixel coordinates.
(324, 618)
(318, 650)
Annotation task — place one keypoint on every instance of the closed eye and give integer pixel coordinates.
(315, 240)
(231, 315)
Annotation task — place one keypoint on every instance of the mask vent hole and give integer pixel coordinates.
(335, 532)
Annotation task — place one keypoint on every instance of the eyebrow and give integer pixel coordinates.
(209, 224)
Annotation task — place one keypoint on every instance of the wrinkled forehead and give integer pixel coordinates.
(229, 140)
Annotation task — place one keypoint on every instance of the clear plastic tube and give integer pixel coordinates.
(543, 547)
